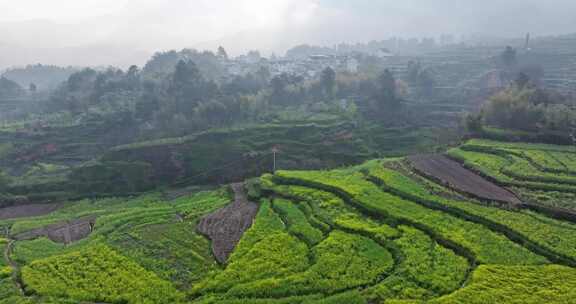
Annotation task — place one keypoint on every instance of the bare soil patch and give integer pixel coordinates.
(226, 226)
(455, 176)
(27, 210)
(65, 232)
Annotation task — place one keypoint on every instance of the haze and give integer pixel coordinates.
(124, 32)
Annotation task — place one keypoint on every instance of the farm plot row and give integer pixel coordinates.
(533, 165)
(452, 174)
(537, 187)
(160, 250)
(473, 240)
(431, 259)
(424, 269)
(547, 158)
(511, 170)
(506, 282)
(552, 238)
(521, 146)
(358, 235)
(119, 279)
(282, 257)
(516, 284)
(190, 206)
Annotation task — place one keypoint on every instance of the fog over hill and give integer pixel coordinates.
(124, 32)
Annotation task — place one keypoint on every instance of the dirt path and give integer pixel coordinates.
(460, 179)
(15, 267)
(226, 226)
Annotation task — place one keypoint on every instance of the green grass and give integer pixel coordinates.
(174, 251)
(9, 294)
(355, 222)
(159, 235)
(522, 170)
(548, 198)
(342, 261)
(539, 173)
(3, 244)
(551, 161)
(499, 168)
(297, 223)
(520, 146)
(557, 236)
(563, 162)
(426, 269)
(265, 251)
(535, 163)
(28, 251)
(275, 256)
(97, 274)
(517, 285)
(267, 222)
(487, 246)
(373, 233)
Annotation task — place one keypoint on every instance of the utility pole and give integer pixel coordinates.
(274, 151)
(527, 42)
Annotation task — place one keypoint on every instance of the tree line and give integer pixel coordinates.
(180, 92)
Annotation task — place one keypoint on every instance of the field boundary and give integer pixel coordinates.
(553, 212)
(387, 218)
(397, 255)
(511, 234)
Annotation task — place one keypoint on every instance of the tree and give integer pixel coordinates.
(534, 72)
(132, 78)
(522, 80)
(421, 78)
(5, 180)
(515, 108)
(213, 113)
(413, 71)
(222, 54)
(149, 102)
(263, 74)
(328, 82)
(186, 87)
(10, 89)
(32, 88)
(386, 94)
(474, 123)
(508, 58)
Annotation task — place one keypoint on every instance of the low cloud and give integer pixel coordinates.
(144, 26)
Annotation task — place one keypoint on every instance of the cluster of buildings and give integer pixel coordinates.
(309, 67)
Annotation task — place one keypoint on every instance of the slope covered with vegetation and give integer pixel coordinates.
(381, 232)
(113, 161)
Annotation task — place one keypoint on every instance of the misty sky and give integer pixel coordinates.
(121, 32)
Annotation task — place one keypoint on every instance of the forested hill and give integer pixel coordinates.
(191, 117)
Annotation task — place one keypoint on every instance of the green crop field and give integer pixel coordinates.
(542, 173)
(380, 232)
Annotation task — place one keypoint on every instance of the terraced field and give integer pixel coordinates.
(381, 232)
(539, 174)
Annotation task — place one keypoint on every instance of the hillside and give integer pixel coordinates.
(392, 230)
(59, 163)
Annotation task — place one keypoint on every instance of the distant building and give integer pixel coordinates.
(352, 65)
(384, 53)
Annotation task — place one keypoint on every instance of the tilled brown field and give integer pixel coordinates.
(455, 176)
(27, 210)
(226, 226)
(65, 233)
